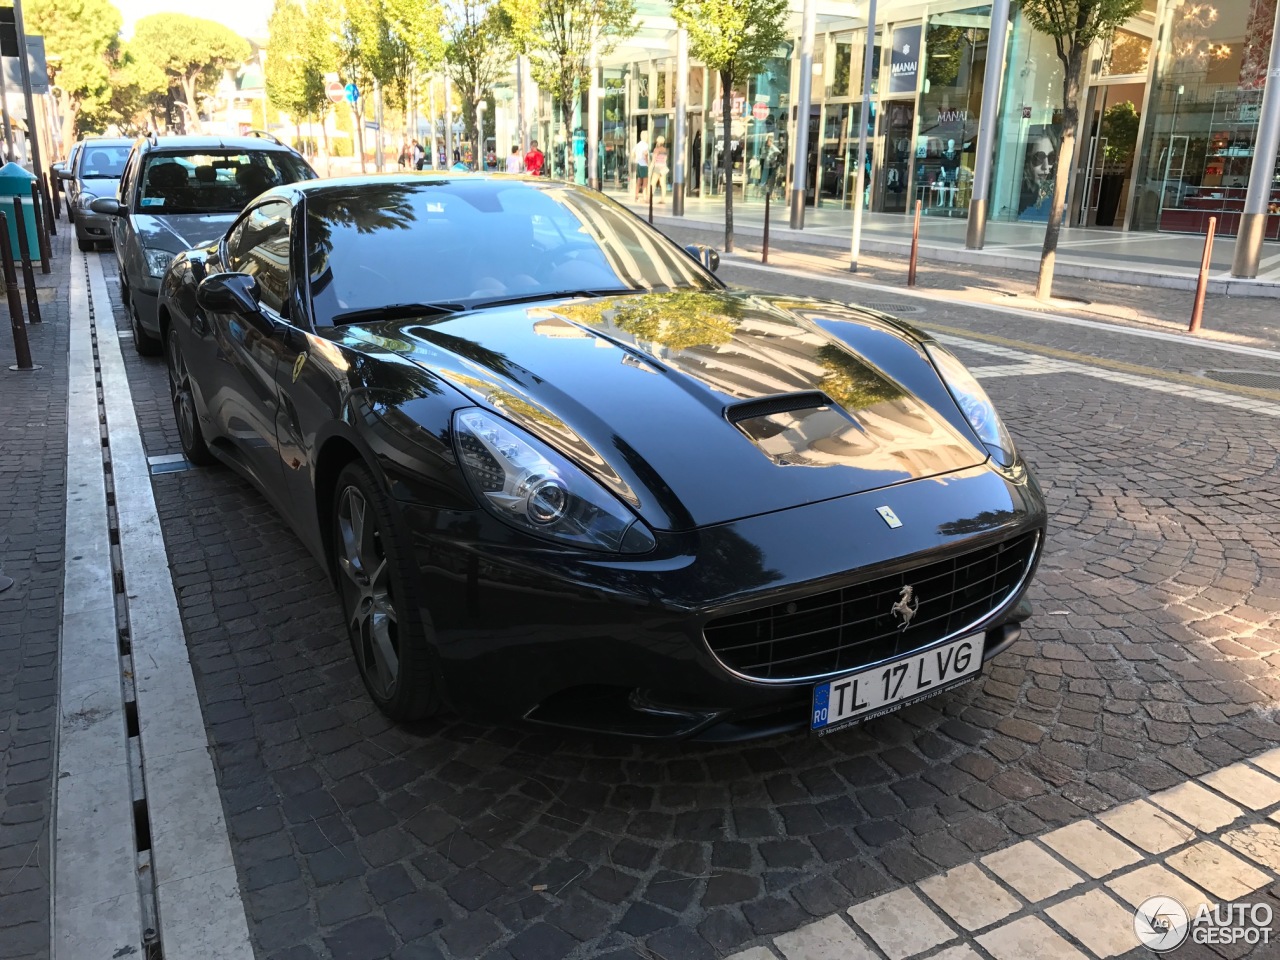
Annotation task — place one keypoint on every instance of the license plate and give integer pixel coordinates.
(877, 690)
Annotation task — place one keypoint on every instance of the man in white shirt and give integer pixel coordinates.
(640, 156)
(514, 163)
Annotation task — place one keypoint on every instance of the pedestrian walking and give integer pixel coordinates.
(534, 160)
(419, 156)
(658, 168)
(640, 157)
(403, 159)
(514, 163)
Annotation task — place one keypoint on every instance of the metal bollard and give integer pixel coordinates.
(20, 346)
(915, 246)
(42, 235)
(28, 275)
(650, 204)
(47, 207)
(55, 195)
(764, 249)
(1197, 308)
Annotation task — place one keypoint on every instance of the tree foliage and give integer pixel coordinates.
(734, 38)
(192, 51)
(560, 36)
(478, 49)
(294, 75)
(82, 38)
(137, 87)
(1073, 25)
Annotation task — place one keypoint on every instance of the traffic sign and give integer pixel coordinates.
(335, 91)
(760, 111)
(351, 93)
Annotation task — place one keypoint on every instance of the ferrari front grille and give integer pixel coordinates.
(845, 629)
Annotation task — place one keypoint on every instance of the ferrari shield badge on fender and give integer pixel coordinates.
(889, 517)
(297, 366)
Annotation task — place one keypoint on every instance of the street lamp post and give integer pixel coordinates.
(481, 106)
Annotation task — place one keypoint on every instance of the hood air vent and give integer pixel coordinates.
(772, 406)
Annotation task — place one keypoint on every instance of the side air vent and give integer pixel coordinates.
(771, 406)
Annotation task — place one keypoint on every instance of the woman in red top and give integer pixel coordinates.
(533, 160)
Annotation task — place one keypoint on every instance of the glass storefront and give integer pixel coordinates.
(950, 108)
(1026, 157)
(1199, 145)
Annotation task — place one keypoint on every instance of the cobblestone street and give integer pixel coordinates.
(1149, 660)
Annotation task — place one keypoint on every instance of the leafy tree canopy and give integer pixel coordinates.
(294, 78)
(82, 38)
(734, 36)
(1074, 24)
(193, 51)
(559, 36)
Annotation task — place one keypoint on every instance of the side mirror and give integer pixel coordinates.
(61, 172)
(229, 293)
(704, 255)
(107, 206)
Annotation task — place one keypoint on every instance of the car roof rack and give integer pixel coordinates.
(264, 135)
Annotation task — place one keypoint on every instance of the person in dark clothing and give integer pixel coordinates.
(695, 162)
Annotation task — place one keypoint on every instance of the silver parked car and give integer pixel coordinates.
(183, 192)
(93, 171)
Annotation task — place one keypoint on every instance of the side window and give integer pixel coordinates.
(130, 178)
(259, 246)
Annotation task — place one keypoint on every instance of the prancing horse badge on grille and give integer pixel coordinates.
(889, 517)
(906, 607)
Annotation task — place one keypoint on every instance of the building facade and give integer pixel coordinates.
(1168, 119)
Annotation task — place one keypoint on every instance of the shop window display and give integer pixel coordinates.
(950, 104)
(1199, 146)
(1030, 132)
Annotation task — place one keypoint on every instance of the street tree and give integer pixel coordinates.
(1073, 25)
(192, 51)
(560, 38)
(82, 38)
(735, 38)
(478, 49)
(138, 88)
(294, 76)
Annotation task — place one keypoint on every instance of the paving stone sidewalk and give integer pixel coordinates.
(33, 429)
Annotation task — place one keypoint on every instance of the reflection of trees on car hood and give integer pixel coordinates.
(677, 320)
(853, 384)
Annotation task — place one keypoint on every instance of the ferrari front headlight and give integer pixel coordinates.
(529, 485)
(974, 404)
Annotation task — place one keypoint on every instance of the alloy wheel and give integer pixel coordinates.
(366, 590)
(184, 405)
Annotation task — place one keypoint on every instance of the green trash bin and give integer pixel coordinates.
(16, 182)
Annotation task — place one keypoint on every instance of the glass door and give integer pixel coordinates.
(897, 146)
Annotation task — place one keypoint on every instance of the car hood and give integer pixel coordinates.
(100, 186)
(700, 408)
(176, 232)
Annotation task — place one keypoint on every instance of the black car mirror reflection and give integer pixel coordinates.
(107, 206)
(705, 255)
(229, 293)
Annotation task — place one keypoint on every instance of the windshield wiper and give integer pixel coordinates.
(399, 311)
(553, 295)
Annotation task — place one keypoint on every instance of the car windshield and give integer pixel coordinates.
(222, 181)
(468, 242)
(104, 162)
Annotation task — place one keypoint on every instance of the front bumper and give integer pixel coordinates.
(92, 226)
(615, 644)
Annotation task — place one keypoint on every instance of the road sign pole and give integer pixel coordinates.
(25, 73)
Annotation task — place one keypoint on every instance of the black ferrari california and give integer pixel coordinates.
(559, 472)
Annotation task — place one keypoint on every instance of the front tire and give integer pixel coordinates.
(388, 638)
(143, 342)
(184, 406)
